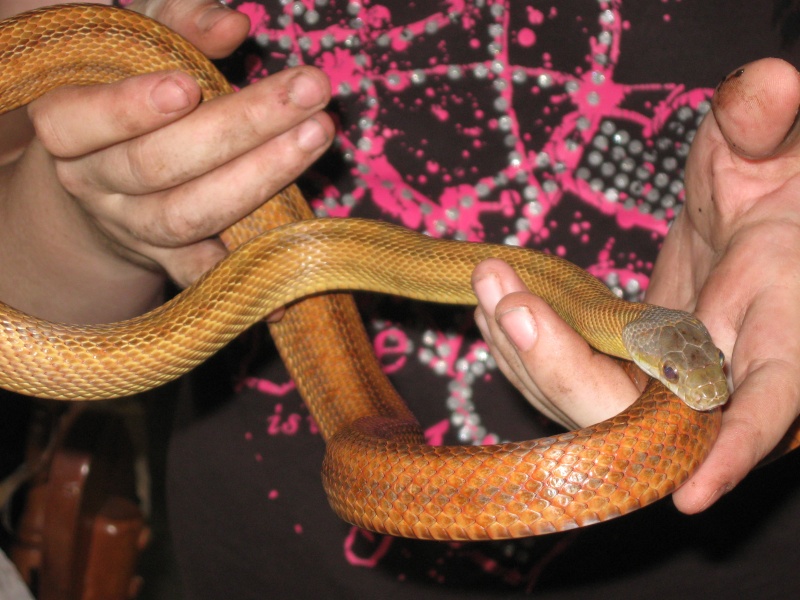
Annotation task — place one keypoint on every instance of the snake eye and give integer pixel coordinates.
(670, 372)
(721, 358)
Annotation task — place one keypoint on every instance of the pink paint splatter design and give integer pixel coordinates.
(483, 121)
(589, 167)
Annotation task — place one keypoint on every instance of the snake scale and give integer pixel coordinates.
(378, 471)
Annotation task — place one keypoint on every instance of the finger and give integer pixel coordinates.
(756, 108)
(208, 204)
(492, 281)
(75, 120)
(562, 375)
(586, 385)
(276, 316)
(214, 134)
(208, 24)
(511, 366)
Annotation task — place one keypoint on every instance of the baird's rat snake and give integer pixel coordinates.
(378, 471)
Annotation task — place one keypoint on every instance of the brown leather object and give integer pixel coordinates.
(81, 531)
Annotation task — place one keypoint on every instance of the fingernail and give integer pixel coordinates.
(169, 96)
(519, 327)
(305, 91)
(311, 135)
(488, 291)
(212, 16)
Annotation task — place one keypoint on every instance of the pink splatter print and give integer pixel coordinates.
(556, 154)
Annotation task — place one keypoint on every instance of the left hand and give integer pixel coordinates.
(731, 257)
(129, 183)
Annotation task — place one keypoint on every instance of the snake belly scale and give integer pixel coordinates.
(378, 471)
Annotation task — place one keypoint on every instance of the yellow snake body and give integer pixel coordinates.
(378, 471)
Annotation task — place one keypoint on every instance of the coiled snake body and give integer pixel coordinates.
(378, 471)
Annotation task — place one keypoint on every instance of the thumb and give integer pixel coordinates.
(208, 24)
(756, 108)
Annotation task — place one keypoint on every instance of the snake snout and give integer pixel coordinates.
(708, 399)
(711, 393)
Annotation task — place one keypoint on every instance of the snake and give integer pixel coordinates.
(378, 472)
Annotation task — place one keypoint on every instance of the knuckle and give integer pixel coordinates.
(270, 109)
(73, 178)
(145, 167)
(258, 116)
(176, 226)
(49, 130)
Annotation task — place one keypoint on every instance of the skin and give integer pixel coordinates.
(99, 195)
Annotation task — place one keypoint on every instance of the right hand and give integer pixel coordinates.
(126, 184)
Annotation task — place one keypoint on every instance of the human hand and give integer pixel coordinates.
(730, 257)
(127, 183)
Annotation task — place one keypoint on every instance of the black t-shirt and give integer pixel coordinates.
(562, 126)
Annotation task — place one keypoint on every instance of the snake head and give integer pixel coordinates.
(676, 348)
